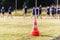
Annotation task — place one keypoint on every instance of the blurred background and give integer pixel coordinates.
(19, 4)
(29, 3)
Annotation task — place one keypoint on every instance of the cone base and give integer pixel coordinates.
(35, 32)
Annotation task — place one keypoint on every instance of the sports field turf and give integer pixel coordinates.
(19, 28)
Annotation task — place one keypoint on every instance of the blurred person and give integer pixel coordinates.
(9, 11)
(25, 11)
(33, 11)
(37, 11)
(48, 11)
(58, 12)
(2, 11)
(40, 11)
(53, 11)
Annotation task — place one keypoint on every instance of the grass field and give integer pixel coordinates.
(19, 28)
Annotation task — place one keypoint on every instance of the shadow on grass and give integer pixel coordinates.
(28, 37)
(53, 38)
(47, 36)
(56, 38)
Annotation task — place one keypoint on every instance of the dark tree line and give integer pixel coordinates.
(29, 3)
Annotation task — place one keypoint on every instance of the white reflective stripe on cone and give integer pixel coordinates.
(34, 26)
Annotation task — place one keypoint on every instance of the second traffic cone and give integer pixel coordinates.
(35, 31)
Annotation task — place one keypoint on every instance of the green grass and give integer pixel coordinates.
(19, 28)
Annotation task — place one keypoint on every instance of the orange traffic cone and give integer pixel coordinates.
(35, 31)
